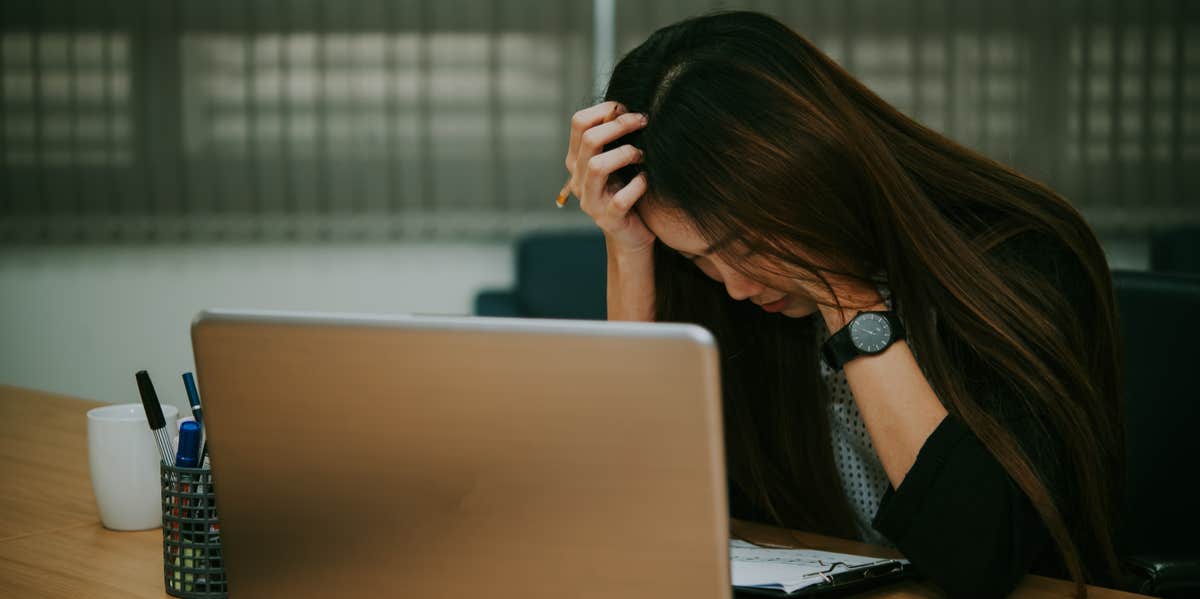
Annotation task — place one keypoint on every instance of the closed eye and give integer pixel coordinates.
(694, 258)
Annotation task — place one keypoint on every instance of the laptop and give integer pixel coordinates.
(436, 457)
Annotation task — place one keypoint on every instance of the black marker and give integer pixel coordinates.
(154, 416)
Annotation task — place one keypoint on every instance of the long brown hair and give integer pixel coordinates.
(757, 136)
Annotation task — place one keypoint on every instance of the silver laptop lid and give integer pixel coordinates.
(441, 456)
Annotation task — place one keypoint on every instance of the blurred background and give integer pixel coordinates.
(164, 156)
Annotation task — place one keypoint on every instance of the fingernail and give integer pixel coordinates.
(644, 118)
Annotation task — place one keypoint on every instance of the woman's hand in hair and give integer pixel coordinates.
(609, 204)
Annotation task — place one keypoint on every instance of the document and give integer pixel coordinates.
(790, 570)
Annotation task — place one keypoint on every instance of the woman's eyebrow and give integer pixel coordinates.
(728, 239)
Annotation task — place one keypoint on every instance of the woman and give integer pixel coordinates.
(964, 312)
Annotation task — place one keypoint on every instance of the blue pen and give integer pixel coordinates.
(189, 449)
(189, 383)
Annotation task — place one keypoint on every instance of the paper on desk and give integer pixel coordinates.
(787, 569)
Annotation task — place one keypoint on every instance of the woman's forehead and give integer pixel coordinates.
(673, 228)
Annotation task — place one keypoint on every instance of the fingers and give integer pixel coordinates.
(592, 129)
(627, 196)
(586, 119)
(594, 139)
(600, 166)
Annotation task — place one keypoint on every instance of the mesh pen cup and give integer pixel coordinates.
(192, 565)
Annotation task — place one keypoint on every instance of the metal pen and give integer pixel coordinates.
(189, 384)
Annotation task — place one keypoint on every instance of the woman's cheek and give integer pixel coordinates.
(800, 308)
(708, 269)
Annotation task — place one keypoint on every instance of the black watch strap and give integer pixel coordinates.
(840, 348)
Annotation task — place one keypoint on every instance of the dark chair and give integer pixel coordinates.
(1176, 250)
(1160, 328)
(558, 275)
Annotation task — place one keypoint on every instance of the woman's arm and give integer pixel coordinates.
(897, 404)
(630, 282)
(629, 244)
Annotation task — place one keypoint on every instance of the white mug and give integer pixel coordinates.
(124, 460)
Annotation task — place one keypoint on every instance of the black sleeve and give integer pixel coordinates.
(960, 519)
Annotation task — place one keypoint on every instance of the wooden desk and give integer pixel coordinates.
(52, 544)
(51, 541)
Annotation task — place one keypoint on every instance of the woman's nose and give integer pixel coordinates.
(740, 286)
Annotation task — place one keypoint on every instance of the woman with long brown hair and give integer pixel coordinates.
(918, 343)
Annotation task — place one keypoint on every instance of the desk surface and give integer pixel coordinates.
(52, 544)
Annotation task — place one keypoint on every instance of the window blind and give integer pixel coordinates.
(131, 120)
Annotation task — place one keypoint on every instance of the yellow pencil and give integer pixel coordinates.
(564, 194)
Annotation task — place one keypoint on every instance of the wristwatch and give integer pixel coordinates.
(867, 334)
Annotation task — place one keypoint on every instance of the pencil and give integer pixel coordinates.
(565, 193)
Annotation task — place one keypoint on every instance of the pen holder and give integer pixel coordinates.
(192, 565)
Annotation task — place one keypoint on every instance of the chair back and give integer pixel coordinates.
(1159, 318)
(558, 275)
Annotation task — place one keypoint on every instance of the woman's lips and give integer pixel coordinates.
(778, 305)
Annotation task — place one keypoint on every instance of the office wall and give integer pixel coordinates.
(81, 320)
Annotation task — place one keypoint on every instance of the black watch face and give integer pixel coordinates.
(870, 333)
